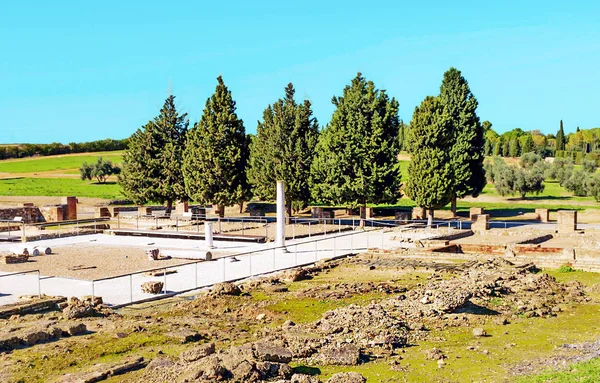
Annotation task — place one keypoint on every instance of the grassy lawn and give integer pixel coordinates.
(53, 163)
(59, 187)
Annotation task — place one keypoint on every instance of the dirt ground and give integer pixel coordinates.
(386, 318)
(89, 261)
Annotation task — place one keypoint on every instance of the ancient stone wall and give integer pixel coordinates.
(567, 221)
(30, 214)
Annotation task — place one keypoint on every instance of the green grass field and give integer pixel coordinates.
(59, 187)
(70, 163)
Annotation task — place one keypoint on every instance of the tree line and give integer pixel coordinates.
(581, 145)
(352, 161)
(29, 150)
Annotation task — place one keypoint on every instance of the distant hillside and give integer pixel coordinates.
(30, 150)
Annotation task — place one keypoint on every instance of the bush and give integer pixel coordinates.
(589, 166)
(566, 269)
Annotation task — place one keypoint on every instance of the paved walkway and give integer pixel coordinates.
(252, 259)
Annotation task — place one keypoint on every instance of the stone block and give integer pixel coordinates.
(566, 221)
(475, 211)
(101, 212)
(480, 222)
(542, 215)
(316, 212)
(418, 213)
(403, 215)
(181, 207)
(144, 210)
(114, 211)
(71, 207)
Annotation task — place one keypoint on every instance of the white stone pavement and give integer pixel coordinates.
(263, 259)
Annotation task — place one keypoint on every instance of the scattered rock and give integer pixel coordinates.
(184, 335)
(434, 354)
(344, 355)
(347, 377)
(152, 287)
(160, 363)
(295, 275)
(226, 288)
(478, 332)
(261, 316)
(271, 353)
(301, 378)
(198, 352)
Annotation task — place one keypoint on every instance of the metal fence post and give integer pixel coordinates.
(137, 222)
(382, 235)
(334, 246)
(77, 227)
(339, 225)
(177, 224)
(40, 286)
(196, 273)
(224, 279)
(119, 221)
(296, 255)
(242, 227)
(250, 264)
(58, 230)
(294, 229)
(165, 277)
(273, 259)
(352, 243)
(131, 288)
(93, 293)
(325, 225)
(308, 229)
(316, 250)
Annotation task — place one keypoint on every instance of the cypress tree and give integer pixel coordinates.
(356, 157)
(216, 153)
(152, 163)
(430, 182)
(467, 144)
(560, 138)
(283, 150)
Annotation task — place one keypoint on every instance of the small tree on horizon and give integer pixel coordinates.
(560, 138)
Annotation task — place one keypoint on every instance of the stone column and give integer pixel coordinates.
(280, 233)
(480, 222)
(208, 235)
(71, 203)
(475, 211)
(543, 215)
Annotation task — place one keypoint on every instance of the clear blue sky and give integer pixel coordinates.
(78, 71)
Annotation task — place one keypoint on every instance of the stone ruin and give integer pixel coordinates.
(65, 211)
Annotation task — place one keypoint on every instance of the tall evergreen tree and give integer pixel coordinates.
(430, 172)
(216, 154)
(356, 158)
(283, 150)
(467, 145)
(560, 138)
(151, 169)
